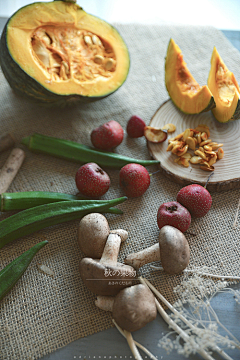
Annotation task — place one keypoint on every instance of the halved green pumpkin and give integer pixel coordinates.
(225, 89)
(183, 89)
(56, 53)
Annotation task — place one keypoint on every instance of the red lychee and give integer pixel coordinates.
(134, 179)
(135, 127)
(174, 214)
(107, 136)
(92, 181)
(196, 199)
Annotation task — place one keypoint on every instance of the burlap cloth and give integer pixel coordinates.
(43, 313)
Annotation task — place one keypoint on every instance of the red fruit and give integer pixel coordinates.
(134, 179)
(92, 181)
(196, 199)
(107, 136)
(174, 214)
(135, 127)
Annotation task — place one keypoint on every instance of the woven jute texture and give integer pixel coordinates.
(43, 313)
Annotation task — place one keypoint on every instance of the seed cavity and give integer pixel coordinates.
(68, 53)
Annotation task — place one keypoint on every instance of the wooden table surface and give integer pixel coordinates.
(109, 344)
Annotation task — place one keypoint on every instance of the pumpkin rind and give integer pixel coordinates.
(225, 89)
(26, 76)
(184, 91)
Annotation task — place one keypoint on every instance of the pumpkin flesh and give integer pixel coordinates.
(225, 89)
(66, 50)
(183, 89)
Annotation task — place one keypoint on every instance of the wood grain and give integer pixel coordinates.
(227, 170)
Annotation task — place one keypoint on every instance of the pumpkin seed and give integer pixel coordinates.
(206, 168)
(187, 155)
(187, 133)
(87, 40)
(195, 159)
(179, 136)
(201, 154)
(198, 137)
(184, 162)
(220, 153)
(215, 147)
(207, 148)
(109, 64)
(176, 148)
(182, 151)
(195, 139)
(203, 162)
(191, 143)
(205, 142)
(203, 128)
(204, 136)
(212, 143)
(172, 144)
(169, 127)
(213, 160)
(96, 40)
(211, 153)
(98, 59)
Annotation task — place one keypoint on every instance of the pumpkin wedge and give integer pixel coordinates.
(183, 89)
(55, 53)
(225, 89)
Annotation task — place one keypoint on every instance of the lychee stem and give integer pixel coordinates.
(155, 172)
(208, 179)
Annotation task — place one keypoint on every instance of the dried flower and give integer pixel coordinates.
(193, 318)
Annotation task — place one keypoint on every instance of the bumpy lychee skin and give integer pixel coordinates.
(92, 181)
(135, 127)
(196, 199)
(107, 136)
(134, 179)
(174, 214)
